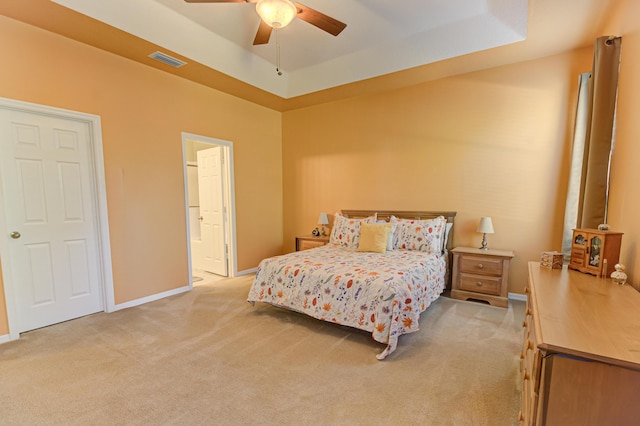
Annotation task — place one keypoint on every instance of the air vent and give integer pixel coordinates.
(166, 59)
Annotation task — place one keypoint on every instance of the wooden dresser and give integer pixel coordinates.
(580, 360)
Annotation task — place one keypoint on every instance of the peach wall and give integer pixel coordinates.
(143, 112)
(490, 143)
(624, 203)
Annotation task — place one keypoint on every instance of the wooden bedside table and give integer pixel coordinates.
(310, 241)
(481, 274)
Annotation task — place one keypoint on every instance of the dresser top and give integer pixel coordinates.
(581, 315)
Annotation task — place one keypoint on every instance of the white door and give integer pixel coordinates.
(212, 229)
(49, 216)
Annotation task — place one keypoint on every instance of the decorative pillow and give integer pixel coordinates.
(346, 231)
(420, 235)
(374, 237)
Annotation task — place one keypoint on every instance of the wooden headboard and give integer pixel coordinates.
(386, 215)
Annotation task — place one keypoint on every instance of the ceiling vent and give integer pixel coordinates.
(166, 59)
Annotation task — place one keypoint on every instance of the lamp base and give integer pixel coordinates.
(323, 232)
(484, 242)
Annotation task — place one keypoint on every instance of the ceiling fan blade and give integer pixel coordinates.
(320, 20)
(216, 1)
(263, 34)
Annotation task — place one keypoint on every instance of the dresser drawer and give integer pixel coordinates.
(530, 369)
(481, 265)
(480, 284)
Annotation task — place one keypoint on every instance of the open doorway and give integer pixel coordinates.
(210, 207)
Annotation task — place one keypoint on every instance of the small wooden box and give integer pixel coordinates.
(552, 260)
(595, 252)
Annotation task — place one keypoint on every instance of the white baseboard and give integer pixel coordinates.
(247, 272)
(7, 337)
(518, 296)
(151, 298)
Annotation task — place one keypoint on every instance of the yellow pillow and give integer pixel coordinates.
(374, 237)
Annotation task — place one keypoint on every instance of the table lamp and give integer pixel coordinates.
(485, 227)
(323, 220)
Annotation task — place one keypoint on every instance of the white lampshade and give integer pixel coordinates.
(276, 13)
(485, 226)
(323, 219)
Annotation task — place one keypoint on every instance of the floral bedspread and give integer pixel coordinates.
(380, 293)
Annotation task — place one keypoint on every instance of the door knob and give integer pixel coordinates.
(15, 235)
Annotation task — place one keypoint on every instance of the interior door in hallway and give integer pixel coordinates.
(50, 218)
(212, 210)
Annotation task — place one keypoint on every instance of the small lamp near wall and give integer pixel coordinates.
(323, 220)
(485, 227)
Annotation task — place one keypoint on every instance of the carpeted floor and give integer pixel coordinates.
(208, 357)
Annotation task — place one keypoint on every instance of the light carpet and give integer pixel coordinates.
(208, 357)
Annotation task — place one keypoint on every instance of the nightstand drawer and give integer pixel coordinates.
(310, 241)
(481, 265)
(307, 244)
(480, 284)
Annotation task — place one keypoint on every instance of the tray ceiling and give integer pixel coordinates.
(381, 37)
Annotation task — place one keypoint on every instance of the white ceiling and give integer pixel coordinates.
(381, 37)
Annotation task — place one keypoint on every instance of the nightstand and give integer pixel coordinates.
(481, 275)
(310, 241)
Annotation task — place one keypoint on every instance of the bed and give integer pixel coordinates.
(379, 272)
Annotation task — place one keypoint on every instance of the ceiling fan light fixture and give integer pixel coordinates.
(276, 13)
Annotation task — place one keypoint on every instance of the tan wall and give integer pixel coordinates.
(143, 113)
(624, 202)
(490, 143)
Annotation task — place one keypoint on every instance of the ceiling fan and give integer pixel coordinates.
(279, 13)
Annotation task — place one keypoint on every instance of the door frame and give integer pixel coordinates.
(229, 196)
(99, 200)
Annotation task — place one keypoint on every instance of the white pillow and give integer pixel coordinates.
(446, 236)
(392, 233)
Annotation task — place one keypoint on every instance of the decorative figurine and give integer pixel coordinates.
(316, 232)
(618, 276)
